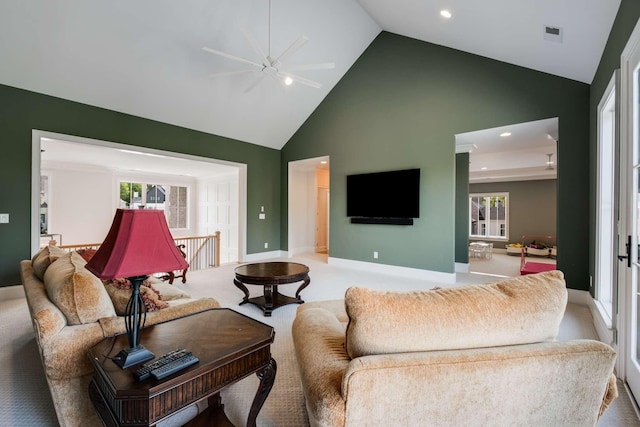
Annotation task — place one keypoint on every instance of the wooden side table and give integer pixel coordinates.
(270, 275)
(230, 347)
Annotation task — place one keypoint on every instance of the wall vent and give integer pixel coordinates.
(552, 34)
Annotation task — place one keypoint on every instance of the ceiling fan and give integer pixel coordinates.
(269, 66)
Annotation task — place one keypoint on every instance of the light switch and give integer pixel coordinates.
(4, 218)
(261, 216)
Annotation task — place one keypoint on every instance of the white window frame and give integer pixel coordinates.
(498, 227)
(144, 183)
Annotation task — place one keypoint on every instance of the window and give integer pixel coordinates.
(171, 199)
(488, 215)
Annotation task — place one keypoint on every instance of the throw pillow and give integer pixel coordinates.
(119, 290)
(43, 259)
(169, 292)
(519, 310)
(86, 254)
(76, 291)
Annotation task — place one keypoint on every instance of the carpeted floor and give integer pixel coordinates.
(25, 400)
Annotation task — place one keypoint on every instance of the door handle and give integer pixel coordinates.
(628, 255)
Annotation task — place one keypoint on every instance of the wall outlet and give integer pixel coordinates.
(4, 218)
(266, 245)
(375, 255)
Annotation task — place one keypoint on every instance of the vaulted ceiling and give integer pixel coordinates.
(145, 57)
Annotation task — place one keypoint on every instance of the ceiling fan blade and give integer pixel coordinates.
(324, 66)
(231, 73)
(233, 57)
(255, 46)
(291, 49)
(301, 80)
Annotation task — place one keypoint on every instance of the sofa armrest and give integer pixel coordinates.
(66, 356)
(318, 337)
(115, 325)
(47, 319)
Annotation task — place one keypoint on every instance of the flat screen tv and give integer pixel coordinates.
(384, 197)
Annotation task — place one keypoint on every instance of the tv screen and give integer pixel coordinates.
(394, 194)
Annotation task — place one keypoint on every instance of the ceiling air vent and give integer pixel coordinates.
(552, 34)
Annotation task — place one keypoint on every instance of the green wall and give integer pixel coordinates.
(22, 111)
(399, 106)
(532, 207)
(625, 22)
(462, 208)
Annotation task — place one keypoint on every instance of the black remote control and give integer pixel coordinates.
(144, 372)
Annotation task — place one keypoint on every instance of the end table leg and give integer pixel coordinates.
(243, 288)
(267, 377)
(304, 284)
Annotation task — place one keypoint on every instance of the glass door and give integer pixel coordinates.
(629, 341)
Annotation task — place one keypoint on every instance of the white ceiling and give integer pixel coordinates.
(144, 57)
(522, 155)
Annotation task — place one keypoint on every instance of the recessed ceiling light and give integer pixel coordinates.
(484, 168)
(503, 134)
(324, 162)
(288, 80)
(445, 13)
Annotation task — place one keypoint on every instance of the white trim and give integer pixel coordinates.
(578, 297)
(412, 273)
(605, 333)
(462, 267)
(261, 256)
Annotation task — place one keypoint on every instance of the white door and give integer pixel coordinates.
(629, 290)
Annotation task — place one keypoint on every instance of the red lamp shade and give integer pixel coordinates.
(138, 243)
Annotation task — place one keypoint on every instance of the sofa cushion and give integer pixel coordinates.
(518, 310)
(43, 259)
(79, 294)
(120, 291)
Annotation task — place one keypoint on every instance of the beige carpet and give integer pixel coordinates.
(25, 400)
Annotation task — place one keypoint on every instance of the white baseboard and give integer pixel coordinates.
(462, 267)
(11, 292)
(602, 325)
(301, 250)
(261, 256)
(579, 297)
(414, 273)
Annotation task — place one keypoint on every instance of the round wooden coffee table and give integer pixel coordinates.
(270, 275)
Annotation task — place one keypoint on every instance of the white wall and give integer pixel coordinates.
(80, 203)
(83, 200)
(302, 211)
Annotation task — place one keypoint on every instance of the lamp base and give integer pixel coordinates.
(132, 356)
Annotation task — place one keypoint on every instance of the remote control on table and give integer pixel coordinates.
(174, 366)
(144, 372)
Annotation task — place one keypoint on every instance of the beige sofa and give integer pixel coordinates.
(481, 355)
(71, 311)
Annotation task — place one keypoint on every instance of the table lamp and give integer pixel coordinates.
(138, 244)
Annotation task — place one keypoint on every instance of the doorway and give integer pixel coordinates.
(308, 212)
(90, 171)
(512, 194)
